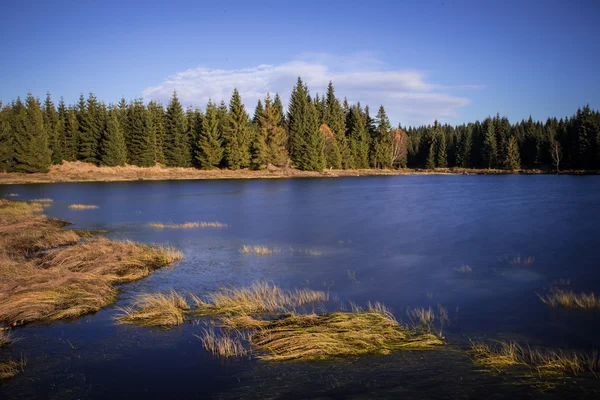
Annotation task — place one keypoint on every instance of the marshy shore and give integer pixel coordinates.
(85, 172)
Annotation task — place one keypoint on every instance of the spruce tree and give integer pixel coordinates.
(112, 145)
(51, 125)
(71, 134)
(156, 113)
(89, 120)
(334, 117)
(258, 110)
(513, 159)
(194, 123)
(142, 135)
(61, 130)
(278, 107)
(489, 145)
(174, 146)
(31, 151)
(236, 134)
(359, 138)
(210, 152)
(442, 152)
(382, 141)
(463, 148)
(432, 155)
(270, 141)
(6, 139)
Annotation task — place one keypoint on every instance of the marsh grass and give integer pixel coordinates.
(11, 368)
(11, 195)
(518, 260)
(189, 225)
(41, 201)
(242, 322)
(502, 355)
(5, 338)
(83, 206)
(427, 320)
(465, 269)
(223, 345)
(338, 334)
(46, 273)
(569, 299)
(158, 309)
(261, 297)
(259, 250)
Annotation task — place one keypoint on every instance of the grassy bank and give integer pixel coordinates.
(48, 273)
(84, 172)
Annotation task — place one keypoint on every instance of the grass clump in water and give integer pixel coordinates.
(502, 355)
(338, 334)
(189, 225)
(569, 299)
(159, 309)
(259, 250)
(83, 206)
(222, 345)
(10, 368)
(261, 297)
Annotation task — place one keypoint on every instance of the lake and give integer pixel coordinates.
(397, 240)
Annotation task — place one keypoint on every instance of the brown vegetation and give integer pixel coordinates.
(10, 368)
(41, 279)
(569, 299)
(159, 309)
(223, 345)
(189, 225)
(83, 207)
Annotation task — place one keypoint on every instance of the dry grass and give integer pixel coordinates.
(569, 299)
(427, 320)
(502, 355)
(222, 345)
(259, 250)
(41, 201)
(5, 338)
(242, 322)
(83, 207)
(40, 279)
(10, 368)
(308, 252)
(189, 225)
(261, 297)
(465, 269)
(339, 334)
(11, 195)
(159, 309)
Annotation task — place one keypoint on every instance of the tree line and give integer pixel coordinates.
(314, 133)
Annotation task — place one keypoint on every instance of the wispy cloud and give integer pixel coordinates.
(406, 94)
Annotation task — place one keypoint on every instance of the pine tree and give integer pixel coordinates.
(382, 141)
(258, 110)
(113, 151)
(278, 107)
(156, 113)
(194, 123)
(513, 159)
(71, 134)
(463, 148)
(174, 146)
(51, 125)
(61, 131)
(236, 134)
(270, 141)
(334, 117)
(31, 151)
(90, 123)
(359, 139)
(489, 145)
(432, 155)
(142, 135)
(6, 139)
(210, 152)
(442, 152)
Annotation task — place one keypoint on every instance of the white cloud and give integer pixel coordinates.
(406, 95)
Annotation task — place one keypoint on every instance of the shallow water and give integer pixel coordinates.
(401, 237)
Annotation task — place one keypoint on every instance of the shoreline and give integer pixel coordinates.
(82, 172)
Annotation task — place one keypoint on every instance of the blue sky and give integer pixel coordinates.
(451, 60)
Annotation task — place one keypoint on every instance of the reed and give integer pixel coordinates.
(158, 309)
(11, 368)
(259, 250)
(83, 206)
(188, 225)
(569, 299)
(223, 345)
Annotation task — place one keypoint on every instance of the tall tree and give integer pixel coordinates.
(156, 113)
(51, 125)
(175, 145)
(142, 135)
(334, 117)
(512, 159)
(358, 137)
(382, 142)
(441, 151)
(112, 145)
(489, 144)
(237, 134)
(210, 152)
(31, 151)
(90, 126)
(270, 141)
(6, 139)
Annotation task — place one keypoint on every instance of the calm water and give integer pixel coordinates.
(402, 237)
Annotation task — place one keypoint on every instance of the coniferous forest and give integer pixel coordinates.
(316, 132)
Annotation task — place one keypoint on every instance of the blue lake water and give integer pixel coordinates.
(397, 240)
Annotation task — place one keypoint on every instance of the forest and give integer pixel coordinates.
(314, 133)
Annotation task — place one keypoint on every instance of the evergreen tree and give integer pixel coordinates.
(278, 107)
(194, 123)
(463, 148)
(270, 141)
(512, 159)
(71, 134)
(113, 151)
(442, 152)
(51, 125)
(142, 135)
(432, 155)
(359, 139)
(258, 110)
(334, 117)
(156, 113)
(489, 145)
(237, 134)
(6, 139)
(175, 145)
(31, 151)
(210, 152)
(90, 126)
(382, 142)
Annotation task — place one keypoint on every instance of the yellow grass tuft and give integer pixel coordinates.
(521, 261)
(222, 345)
(569, 299)
(261, 297)
(242, 322)
(41, 201)
(159, 309)
(5, 338)
(339, 334)
(259, 250)
(83, 207)
(11, 195)
(502, 355)
(10, 368)
(189, 225)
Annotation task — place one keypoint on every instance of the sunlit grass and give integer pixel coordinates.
(159, 309)
(222, 345)
(188, 225)
(11, 368)
(41, 201)
(5, 338)
(11, 195)
(83, 206)
(502, 355)
(569, 299)
(261, 297)
(259, 250)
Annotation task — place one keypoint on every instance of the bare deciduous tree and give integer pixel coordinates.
(399, 147)
(556, 153)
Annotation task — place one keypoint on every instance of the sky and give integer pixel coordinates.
(455, 61)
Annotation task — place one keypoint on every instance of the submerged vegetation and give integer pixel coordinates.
(222, 345)
(11, 368)
(502, 355)
(188, 225)
(267, 251)
(83, 207)
(569, 299)
(47, 273)
(159, 309)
